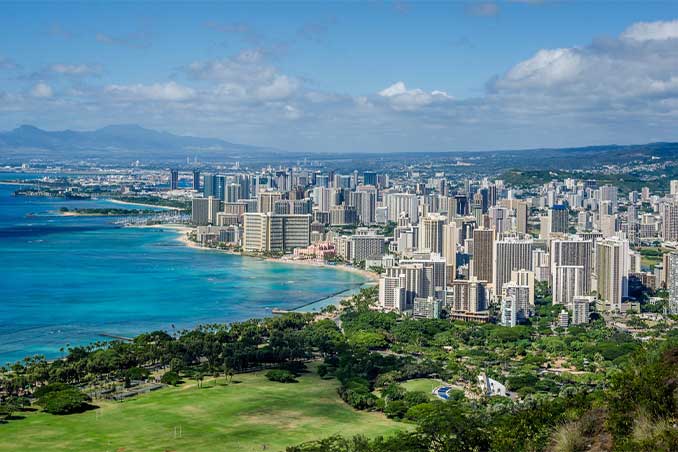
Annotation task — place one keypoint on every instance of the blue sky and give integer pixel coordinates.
(333, 76)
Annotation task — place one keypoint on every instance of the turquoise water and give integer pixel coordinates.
(72, 280)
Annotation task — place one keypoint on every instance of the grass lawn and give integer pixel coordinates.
(422, 384)
(254, 414)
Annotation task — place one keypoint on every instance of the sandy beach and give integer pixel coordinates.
(182, 236)
(127, 203)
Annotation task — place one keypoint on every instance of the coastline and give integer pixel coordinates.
(127, 203)
(182, 232)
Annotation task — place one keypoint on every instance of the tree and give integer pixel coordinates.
(323, 370)
(66, 401)
(170, 378)
(282, 376)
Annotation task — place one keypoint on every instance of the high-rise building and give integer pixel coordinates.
(449, 252)
(325, 198)
(431, 233)
(430, 276)
(521, 295)
(608, 193)
(563, 319)
(426, 308)
(370, 178)
(232, 192)
(365, 202)
(673, 186)
(568, 283)
(559, 216)
(196, 179)
(174, 179)
(268, 232)
(669, 215)
(509, 254)
(365, 246)
(581, 307)
(267, 201)
(390, 293)
(525, 278)
(672, 283)
(520, 213)
(483, 254)
(612, 268)
(204, 211)
(343, 215)
(213, 185)
(573, 251)
(468, 296)
(398, 203)
(509, 311)
(500, 220)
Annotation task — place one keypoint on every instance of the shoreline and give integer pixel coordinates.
(182, 231)
(128, 203)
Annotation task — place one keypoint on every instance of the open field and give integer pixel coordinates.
(422, 384)
(253, 414)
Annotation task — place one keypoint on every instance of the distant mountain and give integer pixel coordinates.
(121, 142)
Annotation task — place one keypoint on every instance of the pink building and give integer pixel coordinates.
(321, 250)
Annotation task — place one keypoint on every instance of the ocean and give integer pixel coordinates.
(68, 281)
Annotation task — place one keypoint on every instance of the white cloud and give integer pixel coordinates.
(73, 69)
(170, 91)
(401, 98)
(41, 90)
(546, 67)
(280, 87)
(245, 76)
(651, 31)
(621, 73)
(615, 89)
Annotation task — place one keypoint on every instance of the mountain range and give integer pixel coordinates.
(120, 142)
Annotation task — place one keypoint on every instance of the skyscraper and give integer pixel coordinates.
(558, 218)
(213, 185)
(365, 202)
(581, 307)
(672, 283)
(525, 278)
(204, 211)
(612, 268)
(483, 254)
(398, 203)
(370, 178)
(431, 238)
(521, 295)
(266, 232)
(174, 179)
(669, 215)
(267, 201)
(509, 254)
(574, 251)
(568, 283)
(196, 179)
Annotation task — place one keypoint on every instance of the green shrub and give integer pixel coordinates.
(170, 378)
(52, 387)
(396, 409)
(323, 370)
(282, 376)
(137, 373)
(66, 401)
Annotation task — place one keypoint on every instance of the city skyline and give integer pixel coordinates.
(375, 77)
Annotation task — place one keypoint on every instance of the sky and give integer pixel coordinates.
(348, 76)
